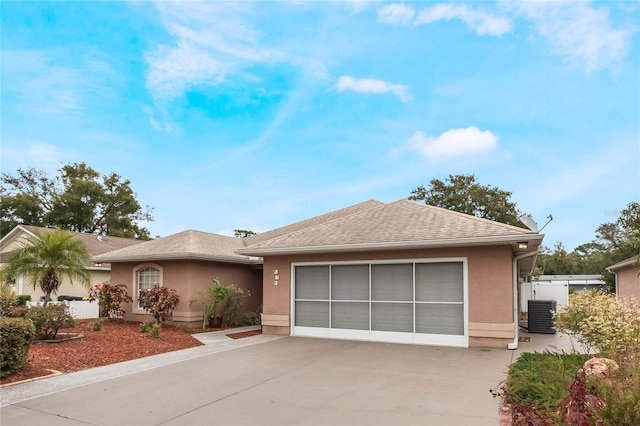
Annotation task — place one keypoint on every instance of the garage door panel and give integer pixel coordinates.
(392, 282)
(439, 282)
(433, 318)
(312, 314)
(350, 282)
(312, 282)
(350, 315)
(392, 317)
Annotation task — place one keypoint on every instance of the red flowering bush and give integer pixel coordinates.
(110, 297)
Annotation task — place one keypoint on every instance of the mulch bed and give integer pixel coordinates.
(244, 334)
(116, 342)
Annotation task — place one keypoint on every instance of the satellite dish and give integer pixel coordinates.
(529, 222)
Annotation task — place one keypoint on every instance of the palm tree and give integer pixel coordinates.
(46, 258)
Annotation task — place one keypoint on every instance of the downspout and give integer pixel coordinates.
(516, 320)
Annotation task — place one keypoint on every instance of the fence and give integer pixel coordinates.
(80, 309)
(558, 292)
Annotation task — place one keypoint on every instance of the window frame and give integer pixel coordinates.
(136, 289)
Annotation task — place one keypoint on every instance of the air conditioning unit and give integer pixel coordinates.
(541, 316)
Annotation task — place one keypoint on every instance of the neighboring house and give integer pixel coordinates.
(188, 262)
(627, 278)
(398, 272)
(96, 245)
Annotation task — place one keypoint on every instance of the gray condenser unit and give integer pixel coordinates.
(541, 317)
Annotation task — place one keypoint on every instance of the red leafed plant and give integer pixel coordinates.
(581, 402)
(110, 297)
(159, 302)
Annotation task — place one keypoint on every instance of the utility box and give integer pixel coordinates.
(541, 316)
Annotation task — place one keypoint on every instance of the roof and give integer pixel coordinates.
(184, 245)
(376, 226)
(627, 262)
(96, 244)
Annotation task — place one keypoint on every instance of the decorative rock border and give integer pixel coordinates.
(53, 373)
(61, 337)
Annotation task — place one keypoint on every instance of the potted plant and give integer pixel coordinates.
(211, 298)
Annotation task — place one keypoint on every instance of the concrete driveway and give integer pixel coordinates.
(282, 381)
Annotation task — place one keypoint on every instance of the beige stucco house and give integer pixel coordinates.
(398, 272)
(187, 262)
(627, 277)
(96, 245)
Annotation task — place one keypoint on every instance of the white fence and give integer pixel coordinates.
(81, 309)
(544, 291)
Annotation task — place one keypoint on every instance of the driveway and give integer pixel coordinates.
(282, 381)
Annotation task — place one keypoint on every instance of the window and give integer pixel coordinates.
(146, 277)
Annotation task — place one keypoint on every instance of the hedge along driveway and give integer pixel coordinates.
(289, 381)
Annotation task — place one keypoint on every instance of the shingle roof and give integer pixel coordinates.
(96, 244)
(401, 224)
(627, 262)
(184, 245)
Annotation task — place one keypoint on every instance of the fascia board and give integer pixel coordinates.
(399, 245)
(176, 256)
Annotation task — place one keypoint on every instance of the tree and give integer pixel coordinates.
(558, 261)
(46, 258)
(462, 193)
(78, 199)
(242, 233)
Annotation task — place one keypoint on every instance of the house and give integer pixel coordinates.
(397, 272)
(627, 277)
(96, 245)
(188, 262)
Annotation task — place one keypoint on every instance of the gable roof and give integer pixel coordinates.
(184, 245)
(627, 262)
(96, 244)
(399, 225)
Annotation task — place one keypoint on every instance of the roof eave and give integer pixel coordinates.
(628, 262)
(396, 245)
(177, 256)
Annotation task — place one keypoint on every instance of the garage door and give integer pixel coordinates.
(408, 302)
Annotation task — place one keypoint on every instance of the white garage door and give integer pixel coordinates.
(421, 301)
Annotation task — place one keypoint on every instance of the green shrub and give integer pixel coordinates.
(96, 324)
(159, 302)
(22, 299)
(621, 394)
(541, 379)
(232, 304)
(251, 318)
(7, 299)
(16, 335)
(185, 327)
(144, 327)
(155, 330)
(49, 319)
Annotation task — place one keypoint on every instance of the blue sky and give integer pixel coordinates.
(256, 115)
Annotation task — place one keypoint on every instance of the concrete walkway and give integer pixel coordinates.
(275, 380)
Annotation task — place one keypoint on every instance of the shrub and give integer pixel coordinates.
(211, 298)
(541, 379)
(16, 335)
(232, 304)
(96, 325)
(49, 319)
(22, 299)
(144, 327)
(251, 318)
(7, 299)
(185, 327)
(602, 321)
(621, 393)
(155, 330)
(111, 297)
(159, 302)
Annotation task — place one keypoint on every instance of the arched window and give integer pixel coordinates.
(146, 276)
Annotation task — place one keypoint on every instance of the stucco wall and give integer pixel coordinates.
(490, 287)
(188, 277)
(628, 282)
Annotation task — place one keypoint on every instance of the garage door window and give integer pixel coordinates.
(378, 301)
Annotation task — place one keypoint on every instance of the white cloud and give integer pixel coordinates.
(481, 22)
(357, 6)
(453, 143)
(396, 14)
(370, 85)
(580, 33)
(212, 42)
